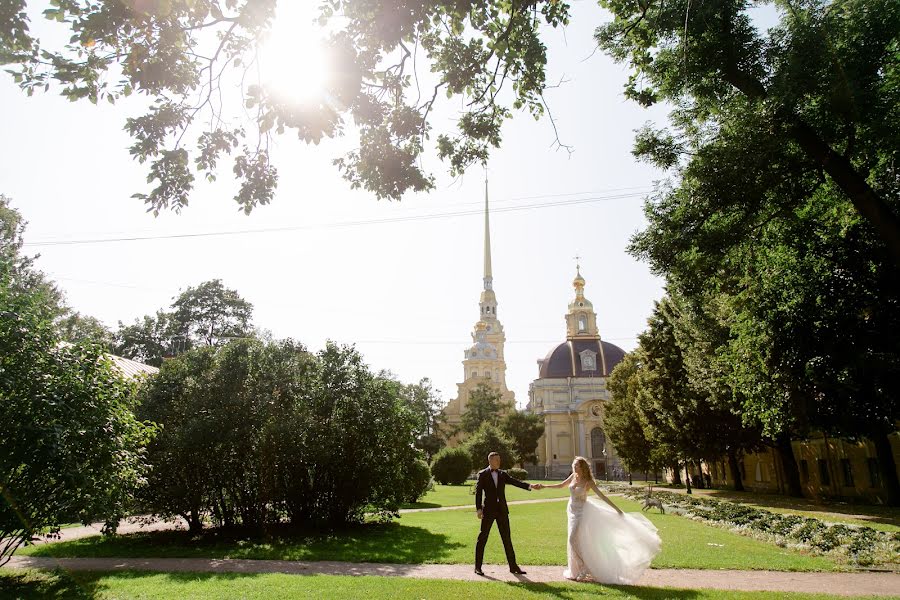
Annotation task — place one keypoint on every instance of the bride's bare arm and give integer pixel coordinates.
(561, 483)
(603, 497)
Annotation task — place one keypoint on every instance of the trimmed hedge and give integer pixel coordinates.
(517, 473)
(856, 544)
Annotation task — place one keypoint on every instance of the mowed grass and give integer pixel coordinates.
(29, 585)
(462, 495)
(448, 537)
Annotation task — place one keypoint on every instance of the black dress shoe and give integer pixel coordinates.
(479, 571)
(517, 571)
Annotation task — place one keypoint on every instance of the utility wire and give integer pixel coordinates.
(336, 225)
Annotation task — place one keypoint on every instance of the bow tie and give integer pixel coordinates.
(494, 470)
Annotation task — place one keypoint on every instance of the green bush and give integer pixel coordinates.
(417, 480)
(254, 433)
(451, 466)
(490, 439)
(516, 473)
(70, 446)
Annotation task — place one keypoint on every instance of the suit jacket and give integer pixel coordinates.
(494, 497)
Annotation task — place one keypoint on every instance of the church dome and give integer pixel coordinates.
(575, 358)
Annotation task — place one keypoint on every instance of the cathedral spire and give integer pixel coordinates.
(488, 276)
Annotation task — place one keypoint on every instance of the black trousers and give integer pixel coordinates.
(487, 521)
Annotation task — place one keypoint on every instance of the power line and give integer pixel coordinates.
(639, 189)
(336, 225)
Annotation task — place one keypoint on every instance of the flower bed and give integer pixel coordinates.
(854, 544)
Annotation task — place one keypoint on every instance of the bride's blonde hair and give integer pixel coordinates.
(582, 466)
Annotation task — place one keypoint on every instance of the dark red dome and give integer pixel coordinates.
(565, 360)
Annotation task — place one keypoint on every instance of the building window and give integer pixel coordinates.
(588, 361)
(598, 442)
(824, 475)
(874, 474)
(582, 324)
(847, 471)
(474, 373)
(804, 471)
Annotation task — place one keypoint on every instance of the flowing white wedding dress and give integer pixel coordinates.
(607, 546)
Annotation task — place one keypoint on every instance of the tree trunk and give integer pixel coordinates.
(887, 468)
(867, 202)
(676, 477)
(687, 478)
(195, 525)
(735, 471)
(789, 465)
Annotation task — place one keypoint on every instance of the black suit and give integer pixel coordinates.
(495, 509)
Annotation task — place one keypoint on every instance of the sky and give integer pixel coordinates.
(403, 290)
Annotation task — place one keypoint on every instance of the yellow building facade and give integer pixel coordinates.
(570, 394)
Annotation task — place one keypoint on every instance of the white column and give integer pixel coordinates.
(581, 445)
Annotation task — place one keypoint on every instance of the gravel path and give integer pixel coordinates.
(843, 584)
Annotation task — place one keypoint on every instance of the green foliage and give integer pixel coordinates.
(484, 405)
(209, 314)
(70, 447)
(75, 328)
(859, 545)
(147, 340)
(426, 404)
(452, 466)
(182, 54)
(622, 418)
(255, 433)
(417, 479)
(486, 439)
(516, 473)
(524, 430)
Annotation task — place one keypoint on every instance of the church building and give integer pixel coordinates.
(483, 361)
(570, 393)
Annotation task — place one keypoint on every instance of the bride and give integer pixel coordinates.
(604, 543)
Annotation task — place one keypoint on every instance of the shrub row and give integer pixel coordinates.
(857, 544)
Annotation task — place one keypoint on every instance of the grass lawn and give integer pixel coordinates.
(123, 585)
(461, 495)
(539, 535)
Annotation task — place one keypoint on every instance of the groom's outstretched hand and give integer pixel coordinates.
(537, 486)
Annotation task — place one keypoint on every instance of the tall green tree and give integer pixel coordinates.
(485, 405)
(524, 430)
(209, 314)
(70, 447)
(426, 404)
(75, 327)
(804, 105)
(622, 418)
(147, 340)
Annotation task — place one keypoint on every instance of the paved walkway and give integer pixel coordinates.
(843, 584)
(472, 505)
(137, 524)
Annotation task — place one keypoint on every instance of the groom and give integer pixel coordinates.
(491, 486)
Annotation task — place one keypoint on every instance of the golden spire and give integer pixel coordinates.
(488, 276)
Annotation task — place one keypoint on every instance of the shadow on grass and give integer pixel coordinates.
(28, 585)
(588, 589)
(388, 543)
